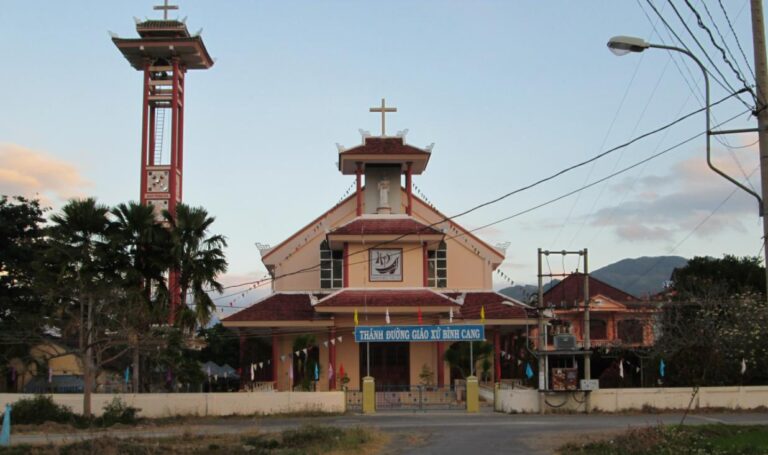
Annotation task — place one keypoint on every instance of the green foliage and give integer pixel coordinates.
(21, 306)
(304, 364)
(673, 440)
(40, 409)
(117, 411)
(223, 346)
(727, 276)
(458, 355)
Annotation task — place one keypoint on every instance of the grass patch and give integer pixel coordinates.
(309, 440)
(673, 440)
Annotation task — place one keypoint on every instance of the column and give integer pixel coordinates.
(359, 192)
(440, 365)
(409, 188)
(332, 357)
(243, 376)
(497, 355)
(275, 360)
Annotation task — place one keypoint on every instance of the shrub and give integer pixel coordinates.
(40, 409)
(117, 411)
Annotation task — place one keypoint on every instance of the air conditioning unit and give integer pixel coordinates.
(565, 342)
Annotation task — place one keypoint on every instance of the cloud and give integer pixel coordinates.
(689, 197)
(32, 173)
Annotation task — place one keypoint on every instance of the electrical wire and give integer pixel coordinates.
(736, 37)
(730, 64)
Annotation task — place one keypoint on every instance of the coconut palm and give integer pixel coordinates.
(142, 248)
(198, 259)
(78, 262)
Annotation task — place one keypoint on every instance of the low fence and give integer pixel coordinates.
(619, 400)
(154, 405)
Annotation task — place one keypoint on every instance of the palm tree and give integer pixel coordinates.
(79, 261)
(143, 247)
(198, 259)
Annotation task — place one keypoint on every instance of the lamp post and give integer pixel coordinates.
(622, 45)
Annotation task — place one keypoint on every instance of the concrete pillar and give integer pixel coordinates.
(473, 395)
(440, 365)
(275, 360)
(497, 355)
(369, 395)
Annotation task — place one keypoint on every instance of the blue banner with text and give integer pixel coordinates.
(400, 333)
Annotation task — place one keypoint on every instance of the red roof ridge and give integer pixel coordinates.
(267, 297)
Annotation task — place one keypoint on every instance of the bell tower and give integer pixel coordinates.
(163, 52)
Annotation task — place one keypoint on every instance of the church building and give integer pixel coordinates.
(380, 257)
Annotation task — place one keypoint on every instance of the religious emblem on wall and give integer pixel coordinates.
(386, 264)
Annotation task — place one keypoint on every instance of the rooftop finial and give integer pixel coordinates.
(383, 109)
(165, 7)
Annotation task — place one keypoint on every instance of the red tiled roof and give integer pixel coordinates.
(278, 307)
(387, 298)
(384, 146)
(396, 226)
(571, 290)
(496, 306)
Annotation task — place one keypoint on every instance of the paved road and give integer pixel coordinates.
(434, 432)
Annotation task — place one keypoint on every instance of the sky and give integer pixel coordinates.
(508, 91)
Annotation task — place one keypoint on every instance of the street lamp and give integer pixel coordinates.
(622, 45)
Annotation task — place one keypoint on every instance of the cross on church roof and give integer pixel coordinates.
(383, 109)
(165, 7)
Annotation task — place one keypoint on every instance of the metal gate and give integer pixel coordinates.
(418, 398)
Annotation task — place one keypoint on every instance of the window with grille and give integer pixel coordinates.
(331, 267)
(437, 264)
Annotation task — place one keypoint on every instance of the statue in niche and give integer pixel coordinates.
(384, 193)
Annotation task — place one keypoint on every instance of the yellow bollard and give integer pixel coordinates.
(473, 395)
(369, 395)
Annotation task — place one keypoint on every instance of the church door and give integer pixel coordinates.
(390, 364)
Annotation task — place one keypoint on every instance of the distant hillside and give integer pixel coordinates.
(640, 276)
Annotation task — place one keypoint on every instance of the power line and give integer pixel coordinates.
(682, 43)
(736, 37)
(701, 47)
(730, 64)
(722, 38)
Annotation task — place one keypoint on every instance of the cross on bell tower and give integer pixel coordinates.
(163, 52)
(383, 109)
(165, 7)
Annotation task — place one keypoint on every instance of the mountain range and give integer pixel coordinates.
(639, 276)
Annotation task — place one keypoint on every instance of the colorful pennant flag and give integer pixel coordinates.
(253, 373)
(290, 372)
(528, 371)
(743, 366)
(127, 374)
(261, 364)
(330, 372)
(621, 368)
(482, 314)
(333, 342)
(325, 343)
(50, 375)
(386, 316)
(355, 317)
(341, 371)
(317, 372)
(662, 368)
(339, 338)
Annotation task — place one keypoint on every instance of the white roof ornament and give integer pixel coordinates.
(402, 133)
(263, 247)
(430, 147)
(340, 148)
(364, 133)
(461, 297)
(502, 246)
(313, 299)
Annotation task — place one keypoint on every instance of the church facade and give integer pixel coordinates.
(380, 257)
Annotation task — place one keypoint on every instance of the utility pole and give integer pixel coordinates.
(587, 341)
(761, 79)
(542, 344)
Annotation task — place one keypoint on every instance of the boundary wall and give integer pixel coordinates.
(620, 400)
(154, 405)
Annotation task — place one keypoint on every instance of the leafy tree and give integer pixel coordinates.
(715, 323)
(727, 276)
(458, 356)
(22, 240)
(81, 281)
(198, 258)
